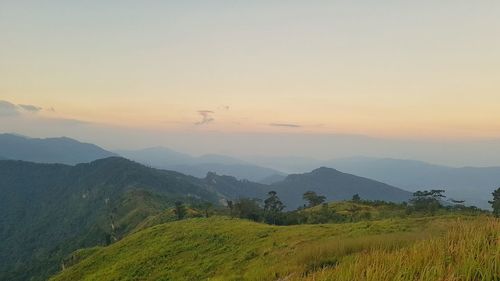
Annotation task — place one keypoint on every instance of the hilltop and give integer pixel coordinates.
(220, 248)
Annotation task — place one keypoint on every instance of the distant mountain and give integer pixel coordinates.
(272, 179)
(49, 210)
(233, 188)
(473, 184)
(50, 150)
(165, 158)
(335, 186)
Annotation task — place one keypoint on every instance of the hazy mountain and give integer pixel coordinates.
(50, 150)
(233, 188)
(288, 164)
(49, 210)
(335, 186)
(165, 158)
(272, 179)
(473, 184)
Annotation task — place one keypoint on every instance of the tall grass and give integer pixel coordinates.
(470, 250)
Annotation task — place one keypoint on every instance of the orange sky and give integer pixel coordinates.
(399, 70)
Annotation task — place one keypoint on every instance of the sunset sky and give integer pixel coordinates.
(399, 70)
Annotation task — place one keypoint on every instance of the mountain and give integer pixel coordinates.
(233, 188)
(335, 185)
(272, 179)
(473, 184)
(50, 150)
(165, 158)
(49, 210)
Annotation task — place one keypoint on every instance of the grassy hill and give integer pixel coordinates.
(220, 248)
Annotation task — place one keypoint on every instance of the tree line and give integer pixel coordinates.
(272, 210)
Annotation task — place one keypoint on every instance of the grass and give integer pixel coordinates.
(470, 250)
(219, 248)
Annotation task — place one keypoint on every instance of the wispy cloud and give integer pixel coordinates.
(206, 117)
(8, 109)
(288, 125)
(29, 107)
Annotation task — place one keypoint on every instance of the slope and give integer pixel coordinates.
(49, 210)
(229, 249)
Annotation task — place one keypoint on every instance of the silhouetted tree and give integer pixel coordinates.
(180, 210)
(313, 199)
(273, 207)
(356, 198)
(495, 203)
(428, 201)
(230, 207)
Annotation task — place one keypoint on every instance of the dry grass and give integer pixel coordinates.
(470, 250)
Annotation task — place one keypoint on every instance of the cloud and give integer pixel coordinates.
(288, 125)
(206, 116)
(8, 109)
(29, 107)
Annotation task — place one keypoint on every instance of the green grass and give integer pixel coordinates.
(220, 248)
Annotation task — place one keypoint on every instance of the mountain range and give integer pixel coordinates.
(164, 158)
(49, 150)
(472, 184)
(50, 210)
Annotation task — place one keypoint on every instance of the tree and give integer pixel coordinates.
(273, 207)
(230, 207)
(207, 206)
(180, 210)
(495, 203)
(428, 201)
(356, 198)
(313, 199)
(247, 208)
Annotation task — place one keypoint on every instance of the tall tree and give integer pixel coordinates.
(495, 203)
(313, 199)
(230, 206)
(180, 210)
(273, 207)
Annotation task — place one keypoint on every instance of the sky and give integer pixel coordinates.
(395, 78)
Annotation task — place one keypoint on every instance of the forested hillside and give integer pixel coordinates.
(49, 210)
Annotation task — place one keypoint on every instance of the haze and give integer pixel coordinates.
(320, 79)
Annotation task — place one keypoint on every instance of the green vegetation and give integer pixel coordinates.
(495, 203)
(50, 210)
(221, 248)
(114, 219)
